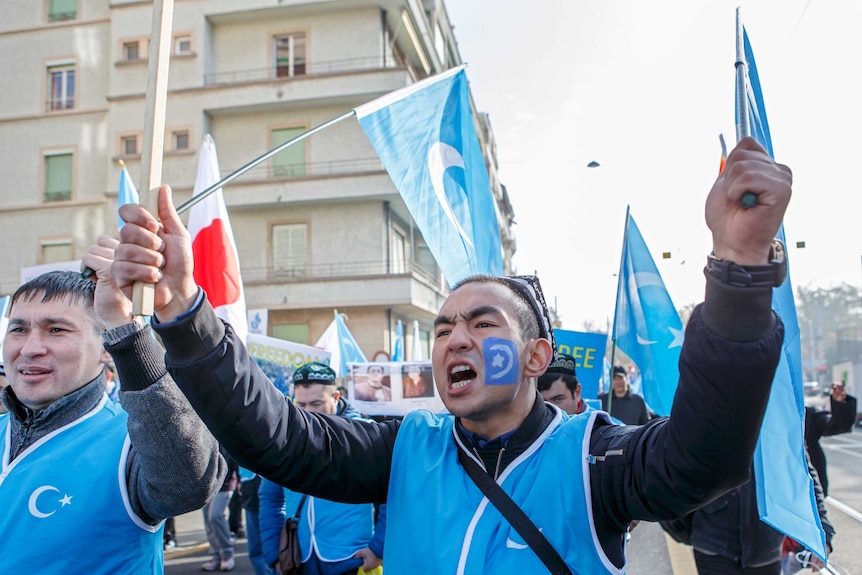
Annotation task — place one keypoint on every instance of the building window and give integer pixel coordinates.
(54, 251)
(132, 51)
(129, 146)
(290, 55)
(295, 332)
(182, 45)
(180, 140)
(399, 252)
(58, 178)
(61, 80)
(289, 250)
(59, 10)
(290, 162)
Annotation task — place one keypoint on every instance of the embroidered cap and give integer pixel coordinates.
(530, 290)
(314, 372)
(563, 364)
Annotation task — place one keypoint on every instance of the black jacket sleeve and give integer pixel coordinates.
(262, 429)
(673, 465)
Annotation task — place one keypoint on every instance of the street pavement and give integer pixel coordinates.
(192, 549)
(650, 552)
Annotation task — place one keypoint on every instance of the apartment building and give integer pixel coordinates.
(318, 227)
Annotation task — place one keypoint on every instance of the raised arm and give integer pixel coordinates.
(330, 457)
(732, 347)
(173, 466)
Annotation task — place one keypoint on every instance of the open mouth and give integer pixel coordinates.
(461, 375)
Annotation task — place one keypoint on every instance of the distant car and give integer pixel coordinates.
(811, 388)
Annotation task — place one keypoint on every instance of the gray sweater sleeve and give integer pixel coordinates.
(174, 465)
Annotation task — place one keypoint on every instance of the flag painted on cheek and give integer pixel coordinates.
(501, 361)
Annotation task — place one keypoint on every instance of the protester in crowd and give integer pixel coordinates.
(559, 385)
(234, 516)
(728, 537)
(216, 524)
(625, 406)
(820, 423)
(334, 538)
(112, 383)
(170, 534)
(3, 383)
(374, 387)
(250, 501)
(492, 340)
(75, 463)
(839, 418)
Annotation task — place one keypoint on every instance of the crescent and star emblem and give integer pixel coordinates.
(441, 157)
(34, 510)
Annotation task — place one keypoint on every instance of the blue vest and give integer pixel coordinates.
(439, 522)
(66, 506)
(339, 529)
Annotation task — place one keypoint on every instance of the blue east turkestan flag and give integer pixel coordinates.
(647, 326)
(398, 347)
(425, 137)
(785, 491)
(127, 193)
(348, 348)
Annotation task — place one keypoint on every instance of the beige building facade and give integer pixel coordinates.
(320, 226)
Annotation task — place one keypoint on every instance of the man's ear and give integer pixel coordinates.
(540, 354)
(336, 395)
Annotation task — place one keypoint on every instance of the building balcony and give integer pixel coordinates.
(300, 70)
(398, 283)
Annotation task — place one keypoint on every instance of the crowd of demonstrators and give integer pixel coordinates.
(334, 538)
(628, 407)
(559, 385)
(75, 459)
(497, 420)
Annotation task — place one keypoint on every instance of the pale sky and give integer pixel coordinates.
(645, 88)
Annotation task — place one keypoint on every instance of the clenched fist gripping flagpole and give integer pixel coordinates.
(154, 130)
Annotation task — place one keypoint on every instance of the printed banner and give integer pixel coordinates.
(392, 388)
(279, 359)
(588, 349)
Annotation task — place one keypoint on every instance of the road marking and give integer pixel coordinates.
(681, 557)
(846, 509)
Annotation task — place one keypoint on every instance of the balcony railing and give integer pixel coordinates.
(60, 16)
(337, 270)
(268, 171)
(56, 104)
(307, 69)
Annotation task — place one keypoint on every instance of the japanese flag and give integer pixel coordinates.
(215, 254)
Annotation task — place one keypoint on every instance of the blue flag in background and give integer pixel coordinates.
(348, 348)
(785, 491)
(647, 326)
(127, 193)
(398, 347)
(424, 135)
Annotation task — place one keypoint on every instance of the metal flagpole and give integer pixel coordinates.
(258, 160)
(616, 308)
(743, 127)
